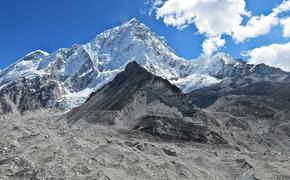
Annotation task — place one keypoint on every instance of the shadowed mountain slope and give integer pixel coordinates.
(260, 80)
(29, 94)
(138, 100)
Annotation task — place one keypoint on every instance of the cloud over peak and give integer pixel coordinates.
(215, 18)
(276, 55)
(211, 17)
(286, 27)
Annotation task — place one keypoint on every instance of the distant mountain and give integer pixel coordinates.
(260, 80)
(139, 100)
(80, 70)
(253, 109)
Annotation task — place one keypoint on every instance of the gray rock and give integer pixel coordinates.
(169, 152)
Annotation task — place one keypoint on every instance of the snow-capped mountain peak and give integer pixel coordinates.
(35, 54)
(83, 68)
(24, 67)
(226, 58)
(133, 21)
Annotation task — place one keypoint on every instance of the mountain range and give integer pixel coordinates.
(69, 75)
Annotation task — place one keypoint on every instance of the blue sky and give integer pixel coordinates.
(51, 24)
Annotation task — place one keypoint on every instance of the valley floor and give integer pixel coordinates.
(43, 146)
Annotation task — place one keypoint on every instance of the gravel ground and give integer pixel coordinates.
(42, 146)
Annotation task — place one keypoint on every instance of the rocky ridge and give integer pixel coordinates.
(138, 100)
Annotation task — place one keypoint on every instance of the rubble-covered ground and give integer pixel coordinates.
(42, 146)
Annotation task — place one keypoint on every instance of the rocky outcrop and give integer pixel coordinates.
(29, 94)
(135, 85)
(138, 100)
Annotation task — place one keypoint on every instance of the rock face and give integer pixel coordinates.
(138, 100)
(136, 81)
(29, 94)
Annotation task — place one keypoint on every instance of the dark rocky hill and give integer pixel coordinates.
(139, 100)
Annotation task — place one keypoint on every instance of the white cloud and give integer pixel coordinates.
(211, 17)
(212, 44)
(257, 25)
(215, 18)
(260, 25)
(277, 55)
(154, 5)
(286, 27)
(284, 6)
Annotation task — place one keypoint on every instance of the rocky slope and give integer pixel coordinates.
(254, 109)
(138, 100)
(29, 94)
